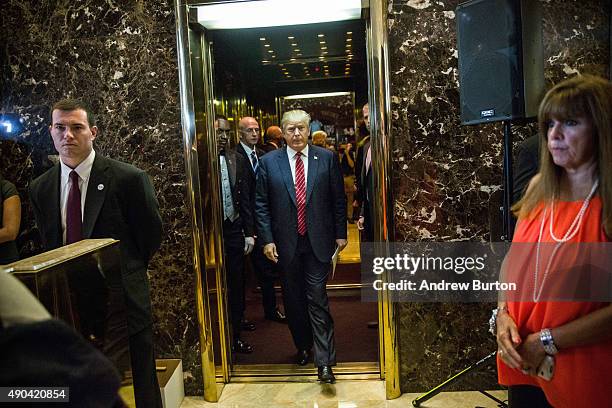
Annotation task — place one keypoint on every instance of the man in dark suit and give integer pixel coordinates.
(364, 186)
(301, 218)
(87, 195)
(249, 131)
(238, 231)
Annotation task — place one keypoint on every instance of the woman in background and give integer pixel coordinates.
(568, 201)
(10, 219)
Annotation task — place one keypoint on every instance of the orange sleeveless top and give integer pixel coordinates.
(582, 375)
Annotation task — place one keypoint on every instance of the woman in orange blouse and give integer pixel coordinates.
(569, 200)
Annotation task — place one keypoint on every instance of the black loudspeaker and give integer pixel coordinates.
(501, 63)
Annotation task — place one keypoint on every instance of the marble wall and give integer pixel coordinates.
(121, 58)
(447, 178)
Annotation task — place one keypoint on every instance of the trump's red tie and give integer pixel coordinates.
(74, 223)
(300, 193)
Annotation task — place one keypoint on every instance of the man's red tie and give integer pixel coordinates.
(74, 223)
(300, 193)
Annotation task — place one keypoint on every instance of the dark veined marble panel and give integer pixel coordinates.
(447, 178)
(121, 58)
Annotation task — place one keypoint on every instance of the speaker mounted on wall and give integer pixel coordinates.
(501, 62)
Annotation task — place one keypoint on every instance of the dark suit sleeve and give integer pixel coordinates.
(143, 216)
(38, 217)
(338, 198)
(262, 207)
(245, 196)
(527, 163)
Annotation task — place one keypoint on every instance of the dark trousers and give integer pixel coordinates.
(146, 387)
(266, 273)
(527, 396)
(233, 243)
(306, 304)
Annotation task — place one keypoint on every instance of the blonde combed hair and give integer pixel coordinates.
(580, 96)
(296, 115)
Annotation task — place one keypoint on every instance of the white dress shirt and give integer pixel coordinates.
(84, 171)
(291, 154)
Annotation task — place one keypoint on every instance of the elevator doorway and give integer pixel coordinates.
(204, 93)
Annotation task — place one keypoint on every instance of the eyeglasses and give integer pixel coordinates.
(250, 130)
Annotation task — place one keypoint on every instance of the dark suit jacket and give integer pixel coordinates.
(527, 164)
(242, 190)
(252, 179)
(366, 195)
(276, 210)
(120, 204)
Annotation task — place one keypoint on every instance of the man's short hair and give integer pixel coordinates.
(297, 115)
(69, 104)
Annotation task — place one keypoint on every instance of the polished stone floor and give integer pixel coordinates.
(343, 394)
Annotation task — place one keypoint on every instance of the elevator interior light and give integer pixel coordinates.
(318, 95)
(264, 13)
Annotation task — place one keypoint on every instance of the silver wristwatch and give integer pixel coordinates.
(548, 342)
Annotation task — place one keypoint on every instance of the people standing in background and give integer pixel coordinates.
(301, 218)
(347, 165)
(10, 220)
(364, 138)
(87, 195)
(249, 130)
(274, 139)
(238, 230)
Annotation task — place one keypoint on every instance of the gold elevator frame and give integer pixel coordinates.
(203, 200)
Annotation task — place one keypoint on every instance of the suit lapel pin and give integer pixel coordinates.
(100, 187)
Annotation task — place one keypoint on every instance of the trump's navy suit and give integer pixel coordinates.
(304, 260)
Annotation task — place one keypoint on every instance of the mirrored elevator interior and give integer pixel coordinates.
(261, 72)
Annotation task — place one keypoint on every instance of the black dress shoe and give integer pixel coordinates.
(326, 375)
(247, 325)
(302, 357)
(277, 316)
(242, 347)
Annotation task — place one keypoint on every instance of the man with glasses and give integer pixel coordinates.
(301, 219)
(264, 270)
(238, 231)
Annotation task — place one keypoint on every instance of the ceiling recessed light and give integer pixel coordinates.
(262, 39)
(266, 45)
(349, 32)
(349, 39)
(291, 37)
(273, 56)
(297, 50)
(299, 55)
(324, 53)
(323, 48)
(321, 58)
(321, 42)
(321, 35)
(291, 59)
(271, 51)
(264, 61)
(294, 44)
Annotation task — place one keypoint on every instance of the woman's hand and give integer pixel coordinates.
(508, 339)
(532, 353)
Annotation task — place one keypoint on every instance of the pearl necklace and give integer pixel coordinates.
(569, 234)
